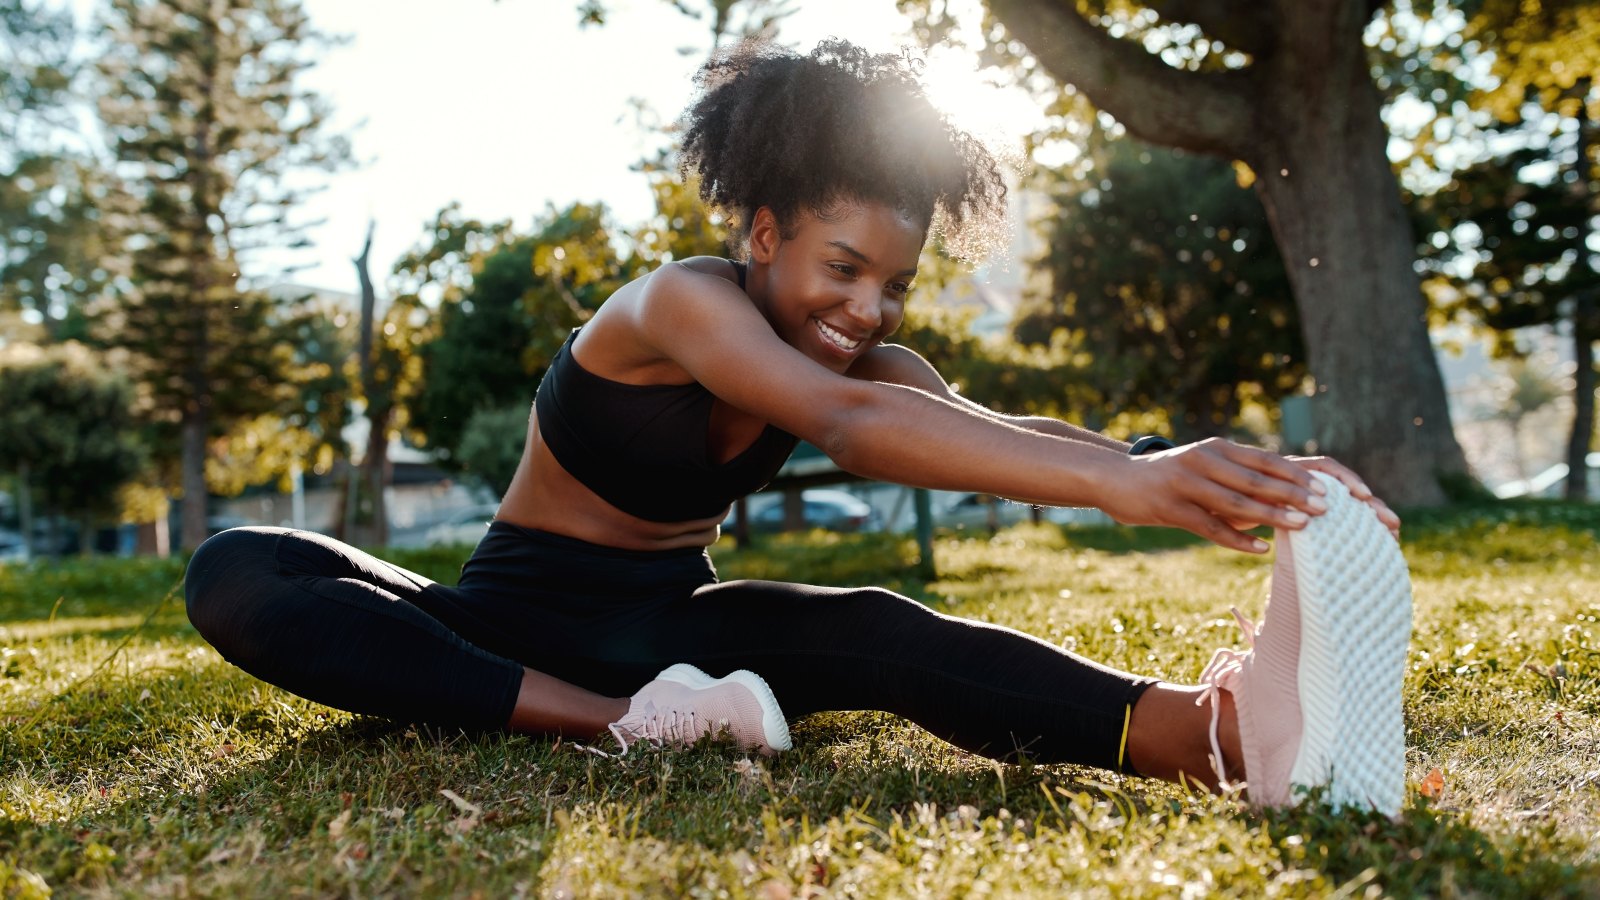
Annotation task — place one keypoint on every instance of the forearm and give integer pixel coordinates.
(1046, 425)
(909, 436)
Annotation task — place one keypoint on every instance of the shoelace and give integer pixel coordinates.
(657, 728)
(1226, 664)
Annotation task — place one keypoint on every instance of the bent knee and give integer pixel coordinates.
(225, 572)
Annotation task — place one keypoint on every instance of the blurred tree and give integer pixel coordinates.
(1286, 88)
(1000, 374)
(67, 428)
(681, 227)
(1512, 239)
(53, 193)
(491, 445)
(203, 104)
(497, 333)
(432, 276)
(1527, 388)
(1164, 272)
(317, 337)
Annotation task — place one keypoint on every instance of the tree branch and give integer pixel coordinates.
(1203, 112)
(1243, 26)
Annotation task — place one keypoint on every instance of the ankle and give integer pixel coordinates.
(1228, 736)
(1169, 735)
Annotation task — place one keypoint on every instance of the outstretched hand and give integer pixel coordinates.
(1218, 490)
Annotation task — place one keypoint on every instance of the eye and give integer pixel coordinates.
(901, 288)
(844, 269)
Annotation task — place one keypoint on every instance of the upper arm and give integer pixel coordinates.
(897, 364)
(709, 327)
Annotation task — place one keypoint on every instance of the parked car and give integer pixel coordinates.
(465, 527)
(831, 509)
(12, 547)
(979, 511)
(969, 511)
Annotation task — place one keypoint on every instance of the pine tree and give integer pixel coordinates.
(51, 188)
(203, 106)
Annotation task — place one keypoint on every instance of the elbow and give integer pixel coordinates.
(847, 432)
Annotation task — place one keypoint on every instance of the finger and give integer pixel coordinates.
(1232, 505)
(1330, 466)
(1385, 515)
(1267, 479)
(1199, 521)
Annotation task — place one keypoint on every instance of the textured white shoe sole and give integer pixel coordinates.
(773, 725)
(1355, 626)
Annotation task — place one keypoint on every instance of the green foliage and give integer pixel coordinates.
(497, 333)
(67, 421)
(491, 445)
(682, 226)
(135, 761)
(53, 198)
(1507, 238)
(323, 336)
(1168, 287)
(1543, 53)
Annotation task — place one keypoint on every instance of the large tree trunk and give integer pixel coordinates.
(375, 468)
(192, 511)
(1306, 105)
(1583, 327)
(1336, 212)
(375, 462)
(1581, 437)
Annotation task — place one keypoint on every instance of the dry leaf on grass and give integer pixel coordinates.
(337, 827)
(1432, 784)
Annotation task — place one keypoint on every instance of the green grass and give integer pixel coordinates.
(133, 760)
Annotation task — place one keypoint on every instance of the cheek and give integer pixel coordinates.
(893, 315)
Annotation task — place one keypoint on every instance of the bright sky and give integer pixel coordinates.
(508, 106)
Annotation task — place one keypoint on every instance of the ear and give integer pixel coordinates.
(765, 236)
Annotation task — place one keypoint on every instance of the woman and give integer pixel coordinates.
(689, 388)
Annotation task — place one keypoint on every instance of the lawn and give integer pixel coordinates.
(133, 760)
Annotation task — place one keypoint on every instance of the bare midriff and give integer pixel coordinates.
(545, 497)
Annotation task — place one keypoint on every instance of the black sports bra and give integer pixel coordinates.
(643, 447)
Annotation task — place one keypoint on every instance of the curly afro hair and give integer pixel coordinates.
(804, 133)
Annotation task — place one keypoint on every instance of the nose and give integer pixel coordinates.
(864, 309)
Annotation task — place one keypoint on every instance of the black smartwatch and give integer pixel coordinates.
(1150, 443)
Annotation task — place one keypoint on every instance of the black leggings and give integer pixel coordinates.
(335, 625)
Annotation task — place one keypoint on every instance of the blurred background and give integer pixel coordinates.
(304, 263)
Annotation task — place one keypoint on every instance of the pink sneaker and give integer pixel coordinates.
(683, 705)
(1318, 694)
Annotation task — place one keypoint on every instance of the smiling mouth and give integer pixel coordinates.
(836, 337)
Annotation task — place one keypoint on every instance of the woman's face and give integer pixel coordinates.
(837, 285)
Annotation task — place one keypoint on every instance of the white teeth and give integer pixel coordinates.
(836, 337)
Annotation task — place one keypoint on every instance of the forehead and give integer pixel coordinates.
(876, 229)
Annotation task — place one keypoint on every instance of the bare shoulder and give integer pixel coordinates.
(708, 265)
(899, 364)
(694, 300)
(695, 276)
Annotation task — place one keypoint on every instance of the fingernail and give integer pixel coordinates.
(1296, 517)
(1258, 545)
(1318, 487)
(1318, 504)
(1361, 487)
